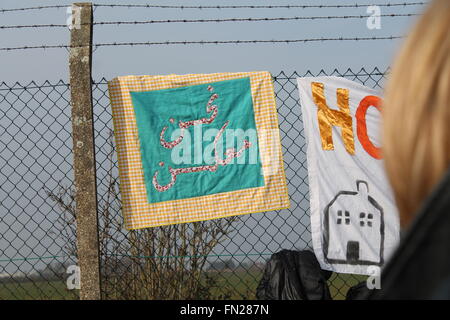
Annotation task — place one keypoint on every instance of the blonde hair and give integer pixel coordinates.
(416, 111)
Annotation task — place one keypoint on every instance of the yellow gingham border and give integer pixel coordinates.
(138, 213)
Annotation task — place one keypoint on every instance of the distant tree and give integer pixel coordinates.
(222, 265)
(54, 270)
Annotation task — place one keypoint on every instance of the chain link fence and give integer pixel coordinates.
(35, 162)
(218, 259)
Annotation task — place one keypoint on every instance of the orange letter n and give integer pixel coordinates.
(330, 117)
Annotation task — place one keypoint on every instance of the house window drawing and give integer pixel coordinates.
(354, 228)
(365, 220)
(346, 217)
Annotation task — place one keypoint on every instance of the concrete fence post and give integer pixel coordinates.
(80, 64)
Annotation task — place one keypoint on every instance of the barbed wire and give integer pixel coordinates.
(100, 23)
(34, 8)
(34, 26)
(205, 42)
(295, 6)
(252, 19)
(317, 6)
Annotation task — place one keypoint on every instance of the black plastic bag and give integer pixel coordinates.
(293, 275)
(358, 292)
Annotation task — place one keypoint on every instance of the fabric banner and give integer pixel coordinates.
(197, 147)
(354, 221)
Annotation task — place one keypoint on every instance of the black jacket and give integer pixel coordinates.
(420, 267)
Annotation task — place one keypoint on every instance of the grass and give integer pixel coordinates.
(230, 285)
(238, 285)
(340, 283)
(243, 284)
(41, 290)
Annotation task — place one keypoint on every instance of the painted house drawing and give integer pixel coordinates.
(354, 228)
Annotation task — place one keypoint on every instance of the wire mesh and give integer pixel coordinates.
(217, 259)
(36, 164)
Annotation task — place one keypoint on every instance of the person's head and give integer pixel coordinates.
(416, 111)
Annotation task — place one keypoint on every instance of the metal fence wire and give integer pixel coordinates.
(217, 259)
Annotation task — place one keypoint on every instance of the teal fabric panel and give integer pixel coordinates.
(154, 109)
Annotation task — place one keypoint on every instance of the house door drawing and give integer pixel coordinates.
(352, 251)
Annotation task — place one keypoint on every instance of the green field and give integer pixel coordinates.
(40, 290)
(340, 283)
(230, 285)
(243, 285)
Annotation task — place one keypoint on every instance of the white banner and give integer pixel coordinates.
(354, 221)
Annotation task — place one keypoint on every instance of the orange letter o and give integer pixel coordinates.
(361, 128)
